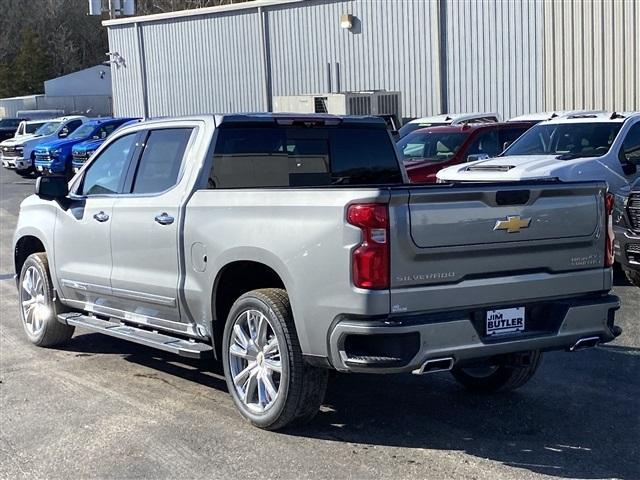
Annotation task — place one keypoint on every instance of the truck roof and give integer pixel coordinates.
(454, 118)
(592, 116)
(303, 117)
(268, 117)
(65, 118)
(471, 127)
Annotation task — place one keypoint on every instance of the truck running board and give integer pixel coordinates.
(179, 346)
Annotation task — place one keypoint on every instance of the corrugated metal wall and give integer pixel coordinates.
(592, 55)
(393, 46)
(495, 56)
(508, 56)
(92, 105)
(204, 64)
(9, 107)
(126, 78)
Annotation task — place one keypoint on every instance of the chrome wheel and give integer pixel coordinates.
(254, 361)
(35, 309)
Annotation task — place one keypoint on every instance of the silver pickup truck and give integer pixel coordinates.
(285, 246)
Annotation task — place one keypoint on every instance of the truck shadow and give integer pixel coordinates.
(578, 417)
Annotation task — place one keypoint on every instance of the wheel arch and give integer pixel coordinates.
(237, 276)
(25, 245)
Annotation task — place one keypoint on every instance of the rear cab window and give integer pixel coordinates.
(277, 156)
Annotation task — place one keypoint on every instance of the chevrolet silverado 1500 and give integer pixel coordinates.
(285, 246)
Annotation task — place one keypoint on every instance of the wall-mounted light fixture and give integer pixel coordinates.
(115, 59)
(346, 21)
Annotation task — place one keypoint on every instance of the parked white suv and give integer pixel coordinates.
(447, 119)
(585, 146)
(18, 152)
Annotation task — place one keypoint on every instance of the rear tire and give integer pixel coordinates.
(633, 277)
(499, 377)
(270, 383)
(38, 306)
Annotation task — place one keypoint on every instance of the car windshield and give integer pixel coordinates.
(569, 140)
(84, 131)
(48, 128)
(430, 146)
(32, 127)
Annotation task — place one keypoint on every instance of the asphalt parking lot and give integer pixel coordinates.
(105, 408)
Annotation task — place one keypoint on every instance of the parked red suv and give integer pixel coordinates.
(428, 150)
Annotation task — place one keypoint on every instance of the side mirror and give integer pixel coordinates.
(477, 156)
(628, 167)
(63, 133)
(54, 187)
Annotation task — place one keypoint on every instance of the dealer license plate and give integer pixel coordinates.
(507, 320)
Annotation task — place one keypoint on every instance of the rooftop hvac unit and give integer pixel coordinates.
(375, 102)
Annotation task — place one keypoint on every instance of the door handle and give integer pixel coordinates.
(101, 217)
(164, 219)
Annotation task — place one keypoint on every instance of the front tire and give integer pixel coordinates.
(270, 383)
(501, 376)
(633, 277)
(38, 306)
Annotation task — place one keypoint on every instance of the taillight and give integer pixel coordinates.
(609, 258)
(370, 260)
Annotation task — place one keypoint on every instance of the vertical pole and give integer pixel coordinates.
(338, 77)
(112, 10)
(329, 90)
(442, 51)
(142, 70)
(266, 59)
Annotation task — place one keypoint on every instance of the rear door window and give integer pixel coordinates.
(161, 160)
(292, 156)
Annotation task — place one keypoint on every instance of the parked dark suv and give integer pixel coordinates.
(627, 231)
(8, 127)
(428, 150)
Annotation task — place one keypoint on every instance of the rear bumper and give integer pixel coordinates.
(417, 338)
(627, 248)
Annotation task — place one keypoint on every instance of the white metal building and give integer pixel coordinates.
(509, 56)
(86, 91)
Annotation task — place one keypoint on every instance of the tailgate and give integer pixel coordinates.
(468, 245)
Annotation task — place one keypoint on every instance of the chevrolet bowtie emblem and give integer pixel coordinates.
(512, 224)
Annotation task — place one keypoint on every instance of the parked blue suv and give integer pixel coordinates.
(56, 156)
(81, 152)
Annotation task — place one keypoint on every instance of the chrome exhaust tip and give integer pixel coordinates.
(586, 342)
(435, 365)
